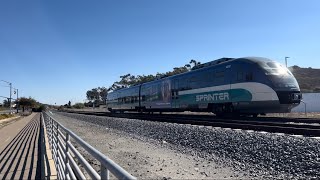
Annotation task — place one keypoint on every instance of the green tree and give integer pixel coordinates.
(6, 103)
(188, 66)
(98, 95)
(177, 70)
(103, 91)
(93, 94)
(27, 103)
(145, 78)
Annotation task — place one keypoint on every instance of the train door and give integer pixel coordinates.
(175, 95)
(119, 100)
(235, 79)
(139, 97)
(229, 75)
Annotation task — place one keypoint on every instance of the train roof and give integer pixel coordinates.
(226, 60)
(256, 59)
(210, 64)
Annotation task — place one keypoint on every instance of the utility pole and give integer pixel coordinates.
(286, 61)
(18, 103)
(10, 97)
(10, 84)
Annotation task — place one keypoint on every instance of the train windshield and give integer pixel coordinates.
(280, 76)
(274, 68)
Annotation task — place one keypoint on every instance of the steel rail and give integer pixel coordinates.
(201, 116)
(258, 124)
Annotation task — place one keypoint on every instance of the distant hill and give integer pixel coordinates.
(308, 78)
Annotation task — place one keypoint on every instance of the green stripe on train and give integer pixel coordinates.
(232, 95)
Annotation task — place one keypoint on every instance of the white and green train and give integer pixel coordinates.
(248, 86)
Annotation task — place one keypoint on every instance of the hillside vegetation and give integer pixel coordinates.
(308, 78)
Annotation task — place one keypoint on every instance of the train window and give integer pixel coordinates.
(143, 98)
(219, 76)
(153, 90)
(249, 76)
(193, 79)
(183, 84)
(207, 76)
(240, 76)
(166, 92)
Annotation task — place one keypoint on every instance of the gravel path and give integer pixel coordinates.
(212, 152)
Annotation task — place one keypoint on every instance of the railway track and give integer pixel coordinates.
(296, 126)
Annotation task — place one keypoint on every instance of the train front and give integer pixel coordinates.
(284, 84)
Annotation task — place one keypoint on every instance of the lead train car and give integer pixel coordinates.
(248, 85)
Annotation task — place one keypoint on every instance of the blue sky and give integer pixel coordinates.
(56, 50)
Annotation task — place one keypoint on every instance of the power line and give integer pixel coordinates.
(4, 86)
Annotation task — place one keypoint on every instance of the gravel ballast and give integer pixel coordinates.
(253, 154)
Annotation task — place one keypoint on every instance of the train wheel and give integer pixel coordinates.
(142, 110)
(219, 110)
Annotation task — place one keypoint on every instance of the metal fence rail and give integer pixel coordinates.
(65, 155)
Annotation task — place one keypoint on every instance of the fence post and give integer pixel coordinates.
(57, 148)
(104, 173)
(66, 160)
(51, 132)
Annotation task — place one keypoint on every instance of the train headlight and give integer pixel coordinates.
(296, 96)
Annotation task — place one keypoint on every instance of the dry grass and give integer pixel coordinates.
(5, 116)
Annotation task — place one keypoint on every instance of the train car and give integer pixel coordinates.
(126, 99)
(249, 86)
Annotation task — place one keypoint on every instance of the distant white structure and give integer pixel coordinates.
(312, 100)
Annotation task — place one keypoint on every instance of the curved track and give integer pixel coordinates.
(296, 126)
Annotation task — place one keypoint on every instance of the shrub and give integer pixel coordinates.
(78, 106)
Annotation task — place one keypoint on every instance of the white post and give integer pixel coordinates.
(305, 107)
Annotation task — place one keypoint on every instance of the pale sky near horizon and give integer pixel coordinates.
(55, 50)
